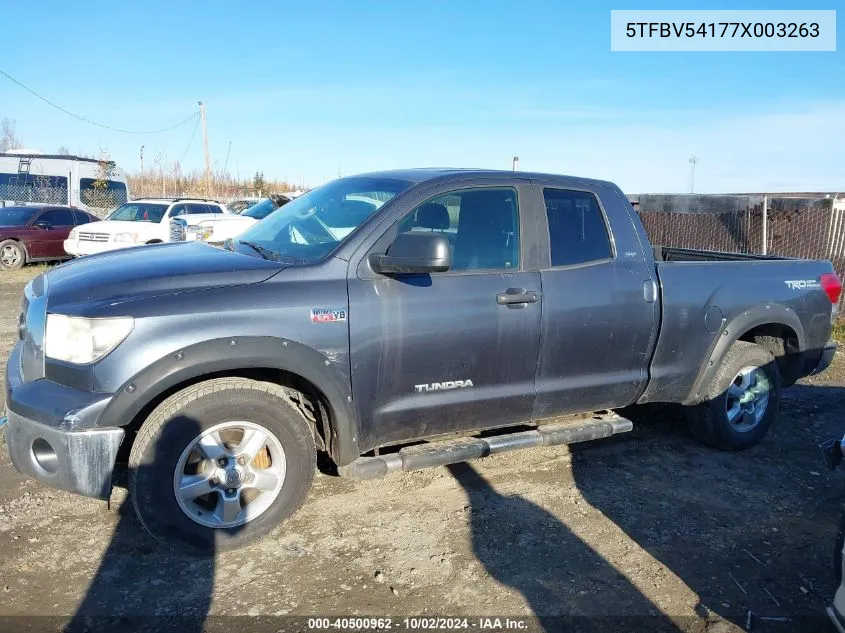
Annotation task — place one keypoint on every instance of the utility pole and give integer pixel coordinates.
(142, 171)
(516, 163)
(692, 161)
(205, 149)
(226, 178)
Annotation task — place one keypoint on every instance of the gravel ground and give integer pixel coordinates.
(639, 532)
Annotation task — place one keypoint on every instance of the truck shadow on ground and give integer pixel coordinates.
(751, 531)
(142, 586)
(561, 577)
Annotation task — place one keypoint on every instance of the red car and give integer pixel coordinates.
(37, 233)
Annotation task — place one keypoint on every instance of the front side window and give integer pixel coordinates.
(307, 229)
(57, 217)
(577, 230)
(139, 212)
(481, 225)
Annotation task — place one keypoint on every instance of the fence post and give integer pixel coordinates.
(765, 224)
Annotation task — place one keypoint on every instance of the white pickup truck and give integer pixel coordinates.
(146, 221)
(218, 230)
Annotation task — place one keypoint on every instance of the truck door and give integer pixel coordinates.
(452, 351)
(599, 303)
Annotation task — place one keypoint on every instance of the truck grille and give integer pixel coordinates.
(93, 237)
(178, 230)
(31, 329)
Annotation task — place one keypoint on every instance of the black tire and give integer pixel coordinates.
(15, 247)
(709, 420)
(178, 420)
(837, 554)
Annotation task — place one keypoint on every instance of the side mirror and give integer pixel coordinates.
(43, 224)
(414, 253)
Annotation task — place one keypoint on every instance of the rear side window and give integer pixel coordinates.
(192, 209)
(577, 230)
(81, 218)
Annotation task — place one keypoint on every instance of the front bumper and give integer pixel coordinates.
(48, 442)
(76, 461)
(79, 248)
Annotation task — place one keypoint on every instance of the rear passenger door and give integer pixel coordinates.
(598, 316)
(453, 351)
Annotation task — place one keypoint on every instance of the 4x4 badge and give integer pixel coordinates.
(328, 315)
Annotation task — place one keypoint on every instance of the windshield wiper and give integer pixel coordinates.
(268, 253)
(265, 253)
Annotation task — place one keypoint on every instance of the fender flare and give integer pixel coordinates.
(237, 353)
(747, 320)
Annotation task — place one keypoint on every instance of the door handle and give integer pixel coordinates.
(517, 296)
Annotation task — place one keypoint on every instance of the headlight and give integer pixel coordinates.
(126, 237)
(194, 228)
(74, 233)
(81, 341)
(206, 234)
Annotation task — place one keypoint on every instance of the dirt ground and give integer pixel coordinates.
(643, 531)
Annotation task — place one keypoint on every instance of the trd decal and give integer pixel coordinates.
(800, 284)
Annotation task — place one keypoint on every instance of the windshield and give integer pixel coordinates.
(310, 227)
(261, 210)
(139, 212)
(16, 216)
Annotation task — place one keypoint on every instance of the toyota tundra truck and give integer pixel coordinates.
(393, 321)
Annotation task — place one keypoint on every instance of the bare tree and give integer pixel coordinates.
(63, 151)
(9, 138)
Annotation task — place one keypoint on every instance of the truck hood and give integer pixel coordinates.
(82, 285)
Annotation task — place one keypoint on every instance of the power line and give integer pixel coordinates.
(191, 140)
(82, 118)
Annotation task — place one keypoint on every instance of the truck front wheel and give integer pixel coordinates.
(221, 463)
(742, 401)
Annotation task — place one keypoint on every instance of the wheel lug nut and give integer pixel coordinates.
(241, 460)
(222, 462)
(214, 481)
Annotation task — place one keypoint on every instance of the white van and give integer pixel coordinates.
(85, 183)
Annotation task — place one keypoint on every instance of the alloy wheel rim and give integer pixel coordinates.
(10, 255)
(748, 398)
(229, 474)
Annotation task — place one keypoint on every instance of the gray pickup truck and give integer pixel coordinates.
(393, 321)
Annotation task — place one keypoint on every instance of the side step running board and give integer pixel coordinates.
(465, 449)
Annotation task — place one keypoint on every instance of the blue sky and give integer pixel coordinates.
(307, 90)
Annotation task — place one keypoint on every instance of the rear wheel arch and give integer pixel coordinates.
(768, 321)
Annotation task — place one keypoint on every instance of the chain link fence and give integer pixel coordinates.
(807, 227)
(99, 201)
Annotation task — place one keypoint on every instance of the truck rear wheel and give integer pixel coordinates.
(742, 402)
(221, 463)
